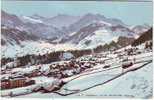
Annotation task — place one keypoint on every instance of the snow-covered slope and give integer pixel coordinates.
(31, 47)
(13, 36)
(88, 31)
(139, 29)
(145, 36)
(99, 33)
(101, 83)
(10, 20)
(100, 37)
(137, 84)
(31, 25)
(31, 20)
(92, 18)
(61, 20)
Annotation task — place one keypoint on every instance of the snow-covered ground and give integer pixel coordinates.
(30, 47)
(40, 81)
(98, 81)
(100, 37)
(29, 19)
(136, 84)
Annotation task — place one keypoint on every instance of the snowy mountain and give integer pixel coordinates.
(14, 36)
(31, 20)
(92, 18)
(84, 32)
(10, 20)
(139, 29)
(99, 33)
(31, 25)
(37, 16)
(43, 30)
(60, 21)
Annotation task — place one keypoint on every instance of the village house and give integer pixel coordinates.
(9, 83)
(12, 83)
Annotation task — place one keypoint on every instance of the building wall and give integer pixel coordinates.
(13, 84)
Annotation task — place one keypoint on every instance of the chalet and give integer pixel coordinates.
(5, 84)
(10, 83)
(17, 82)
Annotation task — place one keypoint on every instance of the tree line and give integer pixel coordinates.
(32, 59)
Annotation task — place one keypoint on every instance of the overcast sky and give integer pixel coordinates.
(131, 13)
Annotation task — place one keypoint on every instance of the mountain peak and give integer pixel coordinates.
(37, 16)
(140, 28)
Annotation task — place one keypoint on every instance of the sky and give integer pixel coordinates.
(131, 13)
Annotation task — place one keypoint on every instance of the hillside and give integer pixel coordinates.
(144, 37)
(14, 36)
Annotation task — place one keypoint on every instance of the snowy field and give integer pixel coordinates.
(136, 84)
(37, 48)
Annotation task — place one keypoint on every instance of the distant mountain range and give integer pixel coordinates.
(89, 30)
(30, 25)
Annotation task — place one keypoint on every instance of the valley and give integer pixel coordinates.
(75, 56)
